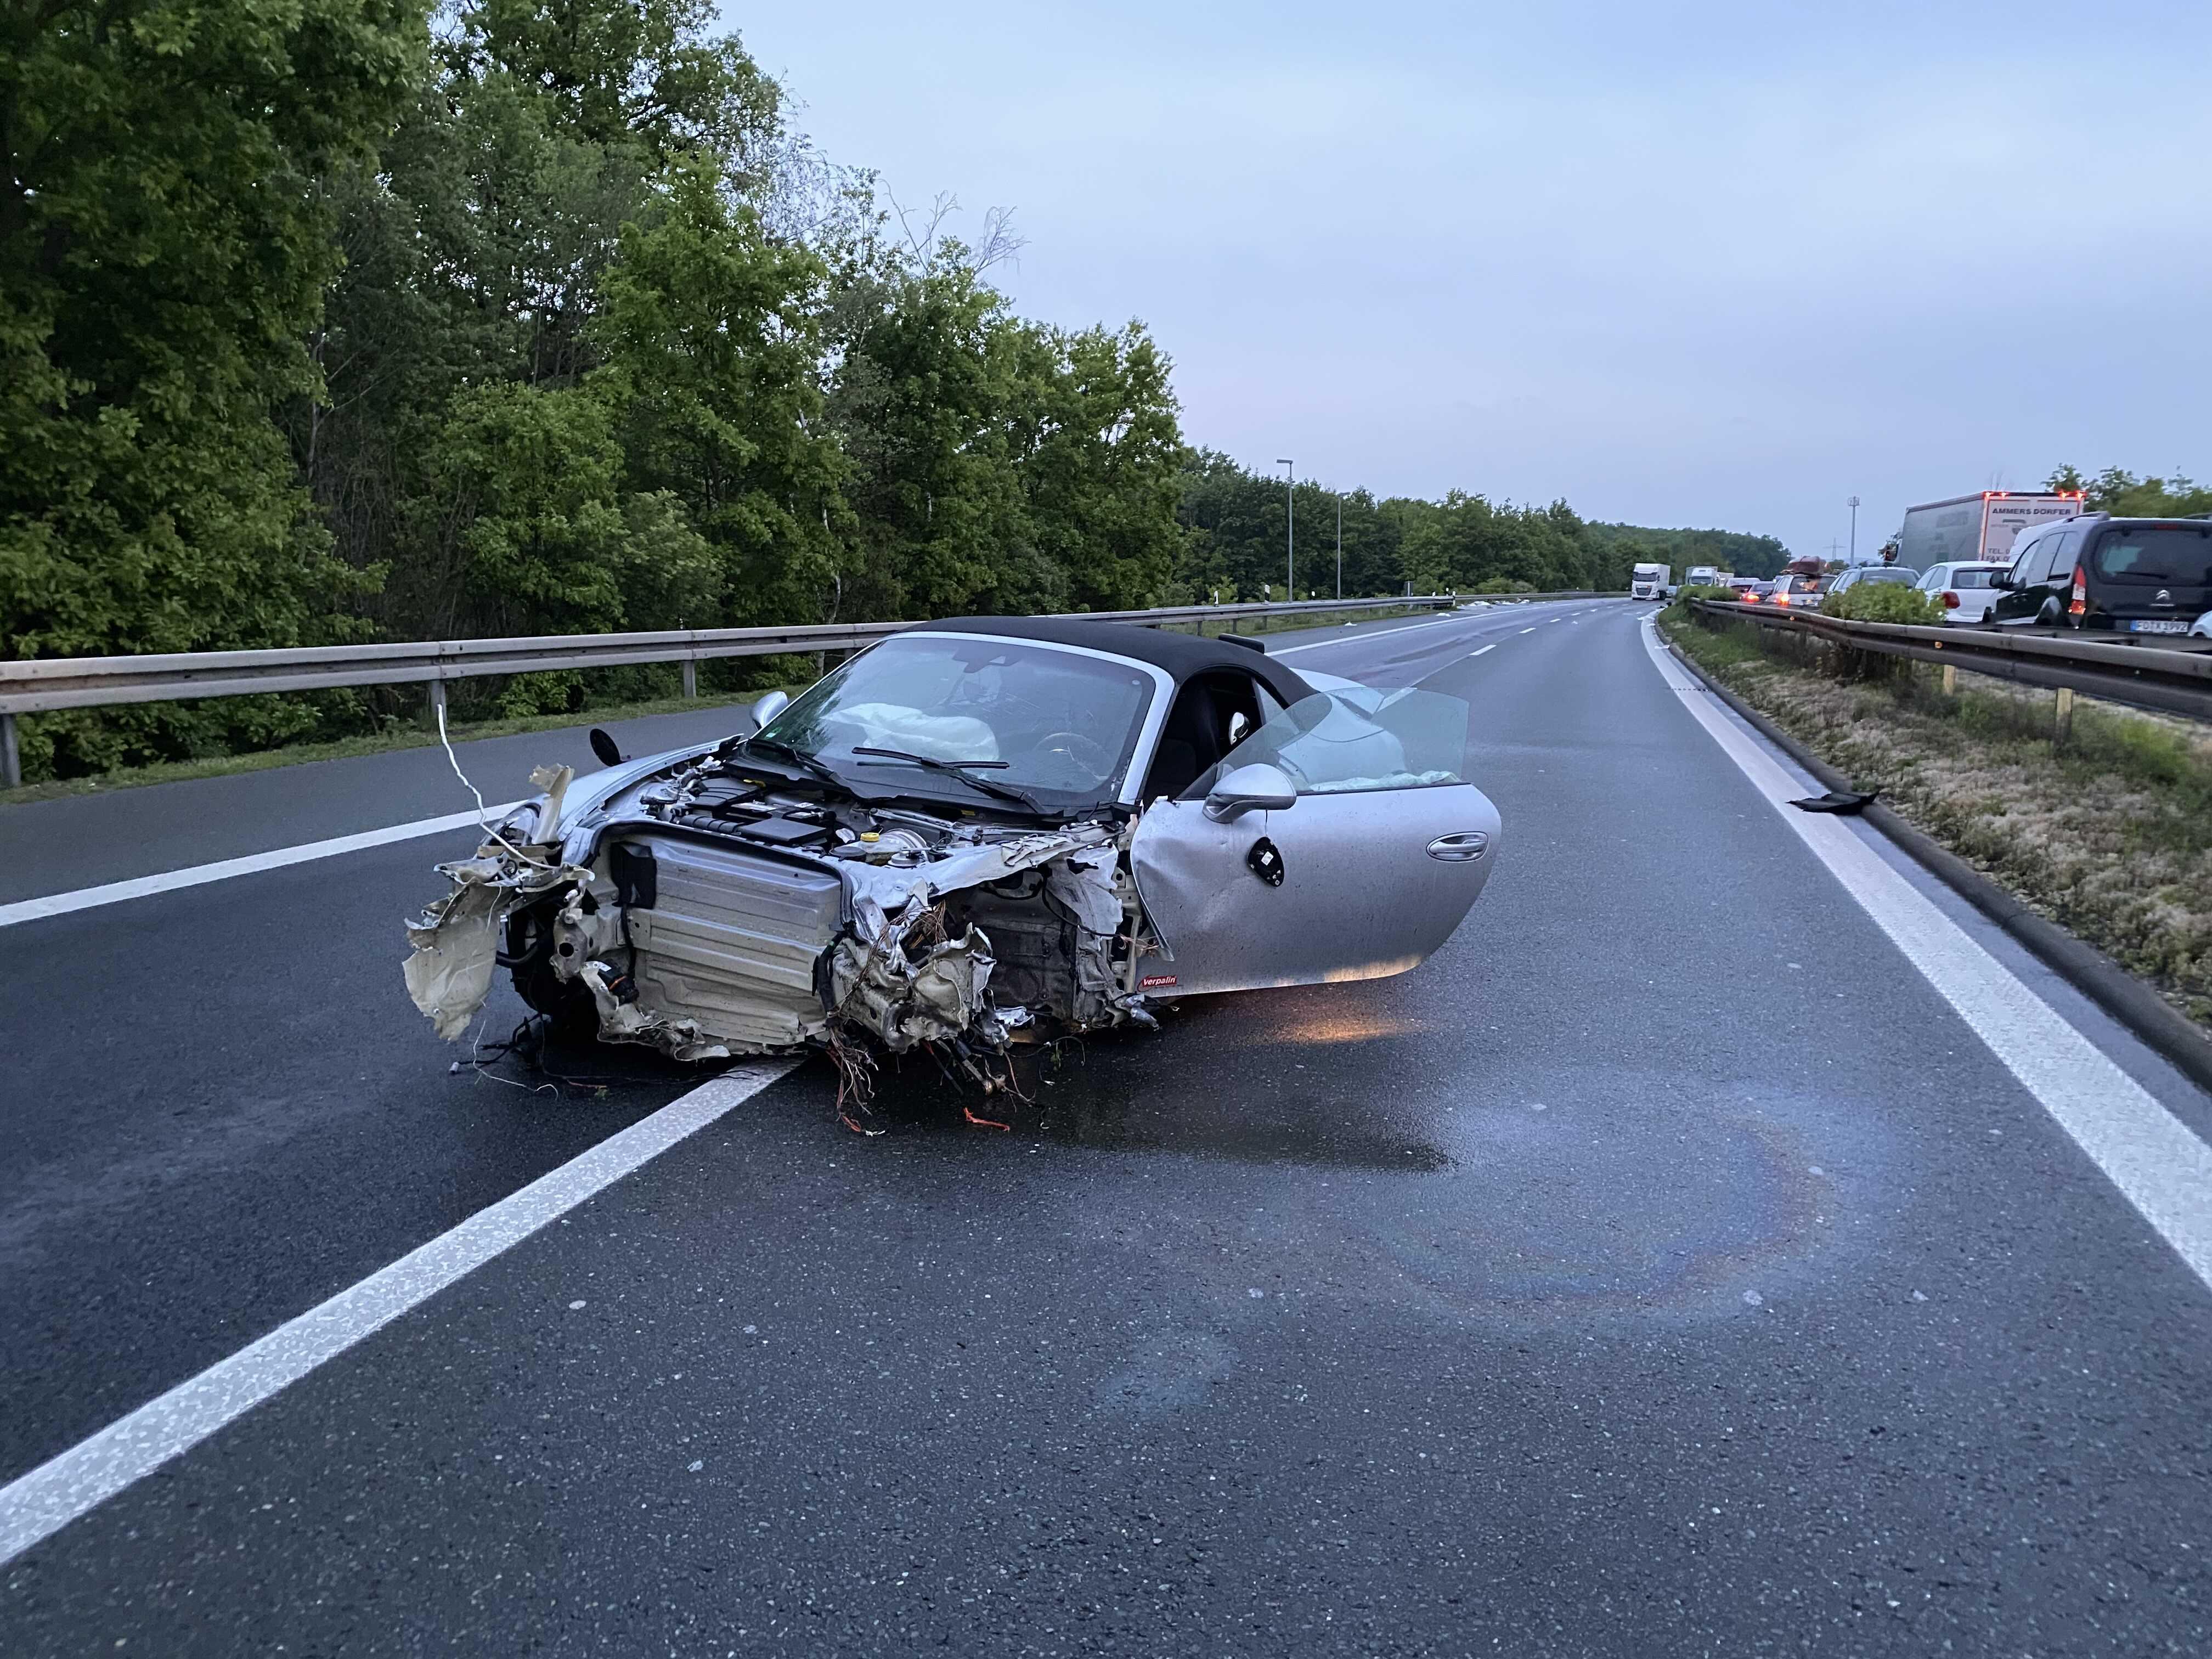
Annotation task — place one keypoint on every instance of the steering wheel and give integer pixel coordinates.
(1084, 753)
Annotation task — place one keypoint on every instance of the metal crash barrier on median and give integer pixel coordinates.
(44, 683)
(2174, 681)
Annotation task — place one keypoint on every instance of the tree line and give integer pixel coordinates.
(1237, 523)
(349, 320)
(2118, 491)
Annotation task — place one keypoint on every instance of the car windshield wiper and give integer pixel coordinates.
(959, 769)
(800, 759)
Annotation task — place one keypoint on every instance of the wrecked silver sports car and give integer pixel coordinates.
(976, 834)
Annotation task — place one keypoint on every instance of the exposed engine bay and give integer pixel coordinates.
(716, 909)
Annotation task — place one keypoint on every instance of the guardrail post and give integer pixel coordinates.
(690, 678)
(438, 701)
(11, 759)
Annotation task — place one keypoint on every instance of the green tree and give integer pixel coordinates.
(165, 237)
(617, 72)
(2118, 491)
(1096, 439)
(927, 364)
(712, 336)
(476, 250)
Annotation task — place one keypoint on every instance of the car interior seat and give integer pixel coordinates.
(1196, 735)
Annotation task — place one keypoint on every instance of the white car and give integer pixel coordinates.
(2202, 628)
(1963, 589)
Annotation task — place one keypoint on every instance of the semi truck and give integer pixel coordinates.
(1649, 581)
(1703, 575)
(1978, 529)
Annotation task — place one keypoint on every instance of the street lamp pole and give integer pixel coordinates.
(1855, 529)
(1289, 526)
(1339, 545)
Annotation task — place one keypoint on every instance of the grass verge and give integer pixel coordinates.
(2106, 831)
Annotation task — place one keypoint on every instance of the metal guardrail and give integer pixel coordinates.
(40, 684)
(2175, 680)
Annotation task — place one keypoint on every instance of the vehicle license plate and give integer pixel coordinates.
(2160, 626)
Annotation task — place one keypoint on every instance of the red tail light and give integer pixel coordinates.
(2080, 607)
(1950, 600)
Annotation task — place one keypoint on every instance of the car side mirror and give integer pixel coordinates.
(1259, 787)
(2001, 579)
(605, 746)
(770, 706)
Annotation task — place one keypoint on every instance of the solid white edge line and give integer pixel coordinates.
(115, 892)
(2158, 1163)
(36, 1505)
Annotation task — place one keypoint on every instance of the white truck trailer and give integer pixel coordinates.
(1703, 575)
(1979, 528)
(1649, 581)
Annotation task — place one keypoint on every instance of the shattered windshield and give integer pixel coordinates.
(1040, 718)
(1358, 738)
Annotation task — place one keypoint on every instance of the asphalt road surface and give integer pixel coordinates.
(1664, 1267)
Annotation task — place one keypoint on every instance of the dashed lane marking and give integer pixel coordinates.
(2160, 1166)
(115, 892)
(34, 1506)
(1372, 634)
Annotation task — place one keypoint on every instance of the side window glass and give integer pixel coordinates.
(2063, 549)
(1242, 725)
(2033, 561)
(1346, 742)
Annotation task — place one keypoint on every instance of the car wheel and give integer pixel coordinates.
(566, 1003)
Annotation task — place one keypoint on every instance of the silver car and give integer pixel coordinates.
(976, 834)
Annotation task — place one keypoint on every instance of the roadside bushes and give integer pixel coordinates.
(1882, 602)
(1878, 602)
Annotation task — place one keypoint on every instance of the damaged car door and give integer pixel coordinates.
(1339, 841)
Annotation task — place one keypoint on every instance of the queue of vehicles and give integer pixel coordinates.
(2012, 559)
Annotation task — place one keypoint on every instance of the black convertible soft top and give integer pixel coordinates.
(1183, 655)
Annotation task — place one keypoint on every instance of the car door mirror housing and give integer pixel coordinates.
(770, 706)
(1258, 788)
(2001, 579)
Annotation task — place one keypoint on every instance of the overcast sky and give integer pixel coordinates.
(1706, 264)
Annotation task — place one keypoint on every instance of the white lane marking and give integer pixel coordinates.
(1315, 645)
(1528, 630)
(115, 892)
(2151, 1156)
(1493, 645)
(38, 1505)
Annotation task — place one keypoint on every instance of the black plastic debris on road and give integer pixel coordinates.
(1837, 800)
